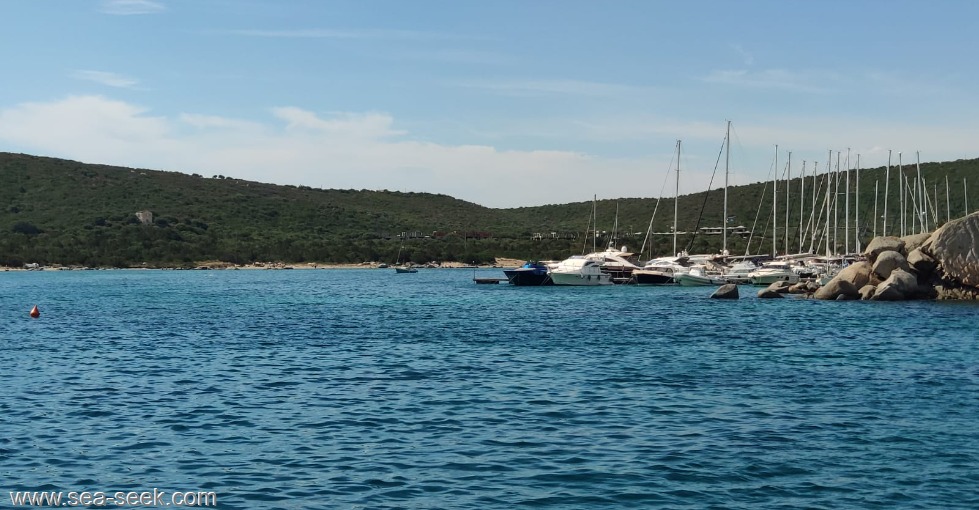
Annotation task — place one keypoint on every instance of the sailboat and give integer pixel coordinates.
(580, 270)
(405, 267)
(663, 270)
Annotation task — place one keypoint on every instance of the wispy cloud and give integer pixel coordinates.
(806, 82)
(365, 151)
(105, 78)
(131, 7)
(549, 87)
(334, 33)
(746, 57)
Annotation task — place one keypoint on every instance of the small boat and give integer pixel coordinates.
(408, 268)
(771, 273)
(740, 273)
(579, 270)
(698, 276)
(532, 273)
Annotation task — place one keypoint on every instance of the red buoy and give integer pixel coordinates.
(35, 313)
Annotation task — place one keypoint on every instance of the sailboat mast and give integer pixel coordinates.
(920, 184)
(774, 205)
(802, 202)
(836, 206)
(829, 183)
(856, 208)
(594, 217)
(812, 212)
(887, 181)
(900, 184)
(948, 202)
(676, 195)
(846, 207)
(788, 186)
(727, 166)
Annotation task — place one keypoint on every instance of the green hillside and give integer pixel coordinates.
(63, 212)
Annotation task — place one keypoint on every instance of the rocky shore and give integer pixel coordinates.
(943, 264)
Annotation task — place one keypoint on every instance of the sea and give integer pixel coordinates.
(367, 389)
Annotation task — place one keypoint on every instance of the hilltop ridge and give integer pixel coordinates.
(61, 211)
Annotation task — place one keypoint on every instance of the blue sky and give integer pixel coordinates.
(502, 103)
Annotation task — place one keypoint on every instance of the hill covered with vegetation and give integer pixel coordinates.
(55, 211)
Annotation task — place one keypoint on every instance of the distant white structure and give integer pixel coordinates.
(145, 217)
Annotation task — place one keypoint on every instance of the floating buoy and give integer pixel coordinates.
(35, 313)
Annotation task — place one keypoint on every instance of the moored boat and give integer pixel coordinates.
(530, 274)
(579, 270)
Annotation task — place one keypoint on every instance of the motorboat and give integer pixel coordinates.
(660, 271)
(740, 272)
(773, 272)
(579, 270)
(619, 264)
(699, 276)
(530, 274)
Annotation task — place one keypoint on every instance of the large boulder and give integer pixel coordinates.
(889, 261)
(921, 262)
(914, 241)
(768, 292)
(726, 291)
(837, 288)
(803, 288)
(955, 247)
(899, 286)
(867, 292)
(881, 244)
(857, 274)
(781, 287)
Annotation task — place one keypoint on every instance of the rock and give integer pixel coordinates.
(867, 292)
(768, 292)
(921, 262)
(881, 244)
(837, 288)
(889, 261)
(781, 287)
(857, 274)
(955, 247)
(899, 286)
(964, 293)
(800, 288)
(726, 291)
(913, 242)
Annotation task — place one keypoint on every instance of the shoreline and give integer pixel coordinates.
(225, 266)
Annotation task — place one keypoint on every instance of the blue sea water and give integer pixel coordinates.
(366, 389)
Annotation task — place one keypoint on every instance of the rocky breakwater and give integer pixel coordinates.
(941, 265)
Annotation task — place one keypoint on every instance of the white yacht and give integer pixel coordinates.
(699, 275)
(579, 270)
(773, 272)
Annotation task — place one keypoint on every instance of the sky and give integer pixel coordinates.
(504, 103)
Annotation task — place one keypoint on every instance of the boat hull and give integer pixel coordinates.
(646, 277)
(693, 280)
(527, 277)
(770, 279)
(578, 279)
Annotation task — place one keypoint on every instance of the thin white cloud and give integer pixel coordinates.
(131, 7)
(105, 78)
(549, 87)
(805, 82)
(366, 151)
(746, 57)
(333, 33)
